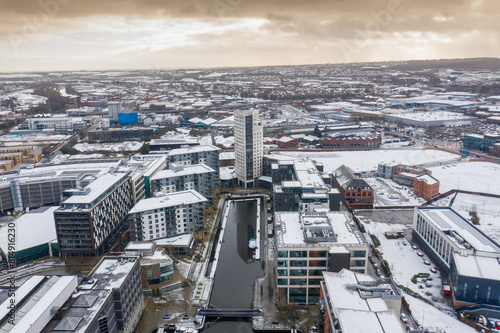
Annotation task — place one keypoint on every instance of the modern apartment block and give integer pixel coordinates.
(309, 244)
(248, 146)
(166, 216)
(299, 186)
(91, 218)
(109, 300)
(208, 155)
(199, 177)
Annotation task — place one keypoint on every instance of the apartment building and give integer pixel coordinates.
(90, 219)
(248, 146)
(426, 186)
(168, 215)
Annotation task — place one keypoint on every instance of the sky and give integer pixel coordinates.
(52, 35)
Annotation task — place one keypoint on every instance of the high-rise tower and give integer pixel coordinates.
(248, 146)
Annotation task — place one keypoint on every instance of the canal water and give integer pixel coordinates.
(236, 269)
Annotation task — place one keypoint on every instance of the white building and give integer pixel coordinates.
(167, 216)
(248, 146)
(114, 108)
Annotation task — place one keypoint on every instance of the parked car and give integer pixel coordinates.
(379, 273)
(166, 316)
(185, 317)
(414, 247)
(404, 319)
(375, 265)
(433, 270)
(427, 262)
(420, 254)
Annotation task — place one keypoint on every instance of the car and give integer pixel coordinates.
(427, 262)
(404, 318)
(429, 279)
(185, 317)
(414, 247)
(420, 254)
(428, 293)
(433, 270)
(428, 284)
(379, 273)
(166, 316)
(404, 243)
(497, 324)
(375, 265)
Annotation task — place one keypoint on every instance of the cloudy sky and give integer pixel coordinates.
(47, 35)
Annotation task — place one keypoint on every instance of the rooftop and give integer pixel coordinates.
(96, 188)
(169, 200)
(179, 171)
(193, 149)
(477, 266)
(451, 223)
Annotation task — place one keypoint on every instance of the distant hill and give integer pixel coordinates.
(456, 64)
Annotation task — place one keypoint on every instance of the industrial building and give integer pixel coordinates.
(248, 132)
(309, 244)
(124, 133)
(480, 142)
(431, 118)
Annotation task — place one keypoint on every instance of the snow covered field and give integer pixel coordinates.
(112, 147)
(368, 160)
(488, 211)
(473, 176)
(25, 99)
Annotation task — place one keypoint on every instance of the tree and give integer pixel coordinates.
(144, 149)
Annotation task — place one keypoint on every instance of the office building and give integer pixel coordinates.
(480, 142)
(426, 186)
(125, 133)
(90, 219)
(309, 244)
(166, 216)
(248, 146)
(156, 266)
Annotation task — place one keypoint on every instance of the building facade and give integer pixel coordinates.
(248, 146)
(356, 193)
(426, 186)
(90, 219)
(309, 244)
(480, 142)
(167, 216)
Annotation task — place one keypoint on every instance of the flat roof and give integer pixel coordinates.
(169, 200)
(34, 228)
(193, 149)
(428, 179)
(477, 266)
(354, 312)
(447, 220)
(291, 234)
(180, 240)
(110, 272)
(97, 188)
(195, 169)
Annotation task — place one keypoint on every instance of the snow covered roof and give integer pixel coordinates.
(169, 200)
(477, 266)
(193, 150)
(428, 179)
(33, 229)
(179, 171)
(354, 312)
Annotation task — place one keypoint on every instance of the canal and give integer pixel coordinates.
(236, 269)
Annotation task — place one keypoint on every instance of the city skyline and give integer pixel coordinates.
(58, 35)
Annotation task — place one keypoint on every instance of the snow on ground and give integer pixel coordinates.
(404, 261)
(389, 193)
(488, 211)
(431, 317)
(368, 160)
(226, 142)
(38, 136)
(183, 268)
(183, 134)
(25, 99)
(473, 176)
(115, 146)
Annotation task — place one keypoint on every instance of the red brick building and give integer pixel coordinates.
(287, 143)
(356, 192)
(426, 186)
(350, 143)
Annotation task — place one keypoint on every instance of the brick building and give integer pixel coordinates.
(356, 192)
(405, 175)
(426, 186)
(287, 143)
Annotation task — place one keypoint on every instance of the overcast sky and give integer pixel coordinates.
(49, 35)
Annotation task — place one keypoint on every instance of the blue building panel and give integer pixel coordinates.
(128, 118)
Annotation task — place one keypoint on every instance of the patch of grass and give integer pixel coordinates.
(419, 275)
(376, 241)
(409, 291)
(387, 268)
